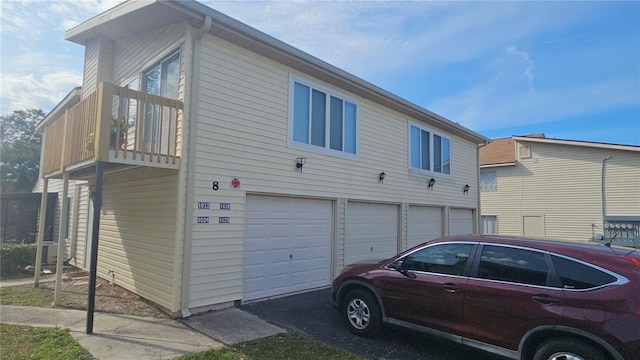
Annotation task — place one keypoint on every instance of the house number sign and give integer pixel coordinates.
(204, 205)
(225, 206)
(202, 219)
(224, 220)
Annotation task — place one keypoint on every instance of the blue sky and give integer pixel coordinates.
(568, 69)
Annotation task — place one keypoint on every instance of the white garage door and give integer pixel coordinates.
(460, 221)
(371, 231)
(287, 245)
(423, 223)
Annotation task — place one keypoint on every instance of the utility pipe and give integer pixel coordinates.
(604, 200)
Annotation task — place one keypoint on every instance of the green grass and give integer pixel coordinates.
(278, 347)
(25, 342)
(25, 296)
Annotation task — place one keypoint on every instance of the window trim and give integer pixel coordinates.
(432, 133)
(326, 150)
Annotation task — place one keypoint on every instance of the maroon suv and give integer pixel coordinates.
(519, 298)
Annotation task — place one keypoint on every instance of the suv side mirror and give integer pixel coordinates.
(401, 267)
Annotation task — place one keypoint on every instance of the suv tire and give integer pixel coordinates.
(362, 313)
(562, 349)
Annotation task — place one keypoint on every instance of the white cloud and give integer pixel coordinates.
(37, 91)
(527, 62)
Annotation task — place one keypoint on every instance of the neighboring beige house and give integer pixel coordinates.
(540, 187)
(236, 167)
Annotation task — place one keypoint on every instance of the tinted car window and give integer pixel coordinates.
(443, 259)
(513, 265)
(575, 275)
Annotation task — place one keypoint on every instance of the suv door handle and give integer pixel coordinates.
(450, 287)
(545, 299)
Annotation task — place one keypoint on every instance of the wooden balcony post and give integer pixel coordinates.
(103, 127)
(64, 150)
(41, 222)
(62, 230)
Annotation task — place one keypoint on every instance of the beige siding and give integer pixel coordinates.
(622, 182)
(90, 76)
(242, 131)
(98, 64)
(563, 184)
(137, 232)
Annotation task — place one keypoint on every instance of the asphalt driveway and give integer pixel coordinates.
(311, 314)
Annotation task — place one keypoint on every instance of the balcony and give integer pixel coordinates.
(115, 125)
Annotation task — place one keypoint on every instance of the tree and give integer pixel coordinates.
(20, 150)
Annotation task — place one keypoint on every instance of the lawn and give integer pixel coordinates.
(26, 295)
(25, 342)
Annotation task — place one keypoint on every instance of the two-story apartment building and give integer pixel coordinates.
(575, 190)
(228, 166)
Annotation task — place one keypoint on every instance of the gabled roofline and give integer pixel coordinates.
(72, 98)
(578, 143)
(232, 30)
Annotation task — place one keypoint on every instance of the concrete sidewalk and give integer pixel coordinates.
(116, 336)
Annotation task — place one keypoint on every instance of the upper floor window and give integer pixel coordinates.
(323, 120)
(487, 180)
(429, 151)
(163, 79)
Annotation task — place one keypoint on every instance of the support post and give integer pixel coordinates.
(62, 230)
(41, 224)
(97, 205)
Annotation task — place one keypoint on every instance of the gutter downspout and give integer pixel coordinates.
(604, 200)
(193, 120)
(479, 215)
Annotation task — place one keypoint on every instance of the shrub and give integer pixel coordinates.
(14, 257)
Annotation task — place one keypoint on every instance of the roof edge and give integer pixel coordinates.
(579, 143)
(72, 98)
(482, 166)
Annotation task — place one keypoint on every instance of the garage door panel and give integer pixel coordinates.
(287, 246)
(460, 221)
(424, 223)
(371, 231)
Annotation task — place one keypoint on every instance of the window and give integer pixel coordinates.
(442, 259)
(162, 80)
(513, 265)
(574, 275)
(487, 180)
(323, 120)
(489, 224)
(429, 151)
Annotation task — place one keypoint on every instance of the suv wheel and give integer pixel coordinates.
(362, 313)
(567, 349)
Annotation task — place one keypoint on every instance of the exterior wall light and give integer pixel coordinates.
(381, 177)
(300, 163)
(431, 183)
(465, 189)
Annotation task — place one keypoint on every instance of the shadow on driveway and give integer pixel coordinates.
(311, 314)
